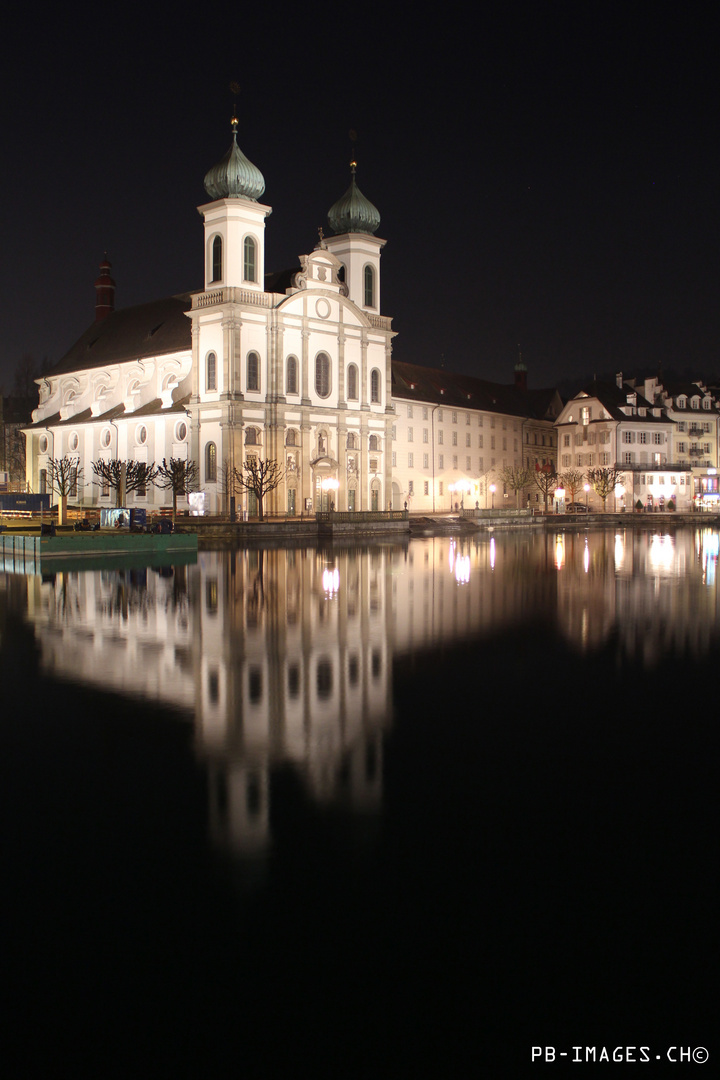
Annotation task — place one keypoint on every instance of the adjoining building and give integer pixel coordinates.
(644, 431)
(295, 367)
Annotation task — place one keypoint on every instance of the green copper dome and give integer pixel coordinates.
(234, 177)
(353, 212)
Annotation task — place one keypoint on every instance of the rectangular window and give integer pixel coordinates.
(492, 442)
(658, 438)
(411, 487)
(467, 418)
(393, 432)
(441, 464)
(426, 461)
(480, 465)
(426, 487)
(454, 438)
(480, 442)
(426, 436)
(454, 418)
(468, 466)
(455, 461)
(628, 457)
(681, 447)
(467, 439)
(642, 437)
(410, 461)
(504, 442)
(628, 437)
(566, 461)
(410, 434)
(410, 411)
(440, 414)
(480, 420)
(425, 413)
(440, 438)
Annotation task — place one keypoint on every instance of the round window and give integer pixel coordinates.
(181, 431)
(105, 438)
(43, 444)
(141, 434)
(74, 440)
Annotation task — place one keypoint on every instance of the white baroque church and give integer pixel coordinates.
(295, 367)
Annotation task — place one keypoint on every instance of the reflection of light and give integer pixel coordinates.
(619, 551)
(451, 554)
(462, 569)
(559, 551)
(331, 580)
(586, 557)
(492, 552)
(661, 552)
(709, 550)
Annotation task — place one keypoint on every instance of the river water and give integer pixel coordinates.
(362, 811)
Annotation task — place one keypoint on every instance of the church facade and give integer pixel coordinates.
(294, 368)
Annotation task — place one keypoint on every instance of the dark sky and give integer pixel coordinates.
(547, 177)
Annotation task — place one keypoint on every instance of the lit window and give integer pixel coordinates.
(253, 371)
(217, 259)
(291, 379)
(369, 286)
(352, 382)
(211, 463)
(322, 375)
(211, 372)
(249, 259)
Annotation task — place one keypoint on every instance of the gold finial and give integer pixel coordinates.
(353, 139)
(235, 91)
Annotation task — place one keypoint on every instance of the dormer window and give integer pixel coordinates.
(681, 403)
(706, 403)
(694, 403)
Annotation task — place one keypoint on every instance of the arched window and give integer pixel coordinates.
(369, 286)
(375, 385)
(291, 375)
(253, 371)
(373, 443)
(217, 259)
(251, 437)
(351, 441)
(322, 374)
(352, 382)
(290, 438)
(211, 371)
(249, 259)
(210, 462)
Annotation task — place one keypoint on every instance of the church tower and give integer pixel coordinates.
(354, 220)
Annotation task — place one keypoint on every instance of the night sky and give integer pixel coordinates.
(547, 178)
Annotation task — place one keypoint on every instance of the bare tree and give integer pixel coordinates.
(177, 475)
(227, 485)
(516, 477)
(64, 474)
(124, 476)
(259, 476)
(572, 480)
(546, 479)
(603, 481)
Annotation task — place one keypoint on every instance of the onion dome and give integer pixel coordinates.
(353, 212)
(234, 177)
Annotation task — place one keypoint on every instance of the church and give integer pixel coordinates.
(294, 367)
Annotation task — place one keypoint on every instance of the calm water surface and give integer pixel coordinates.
(367, 811)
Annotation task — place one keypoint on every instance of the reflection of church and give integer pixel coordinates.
(275, 663)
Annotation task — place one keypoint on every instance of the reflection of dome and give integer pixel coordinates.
(234, 177)
(353, 212)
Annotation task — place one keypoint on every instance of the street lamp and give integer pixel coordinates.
(586, 489)
(493, 489)
(560, 497)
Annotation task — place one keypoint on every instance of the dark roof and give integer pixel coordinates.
(131, 333)
(412, 382)
(613, 397)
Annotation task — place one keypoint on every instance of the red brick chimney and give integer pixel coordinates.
(104, 292)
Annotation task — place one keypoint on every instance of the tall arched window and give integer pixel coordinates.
(291, 375)
(322, 374)
(211, 371)
(351, 442)
(369, 286)
(217, 259)
(375, 385)
(251, 436)
(210, 463)
(352, 382)
(249, 259)
(290, 439)
(253, 371)
(373, 443)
